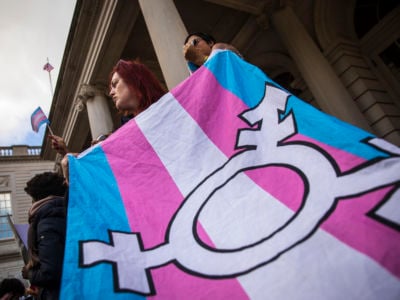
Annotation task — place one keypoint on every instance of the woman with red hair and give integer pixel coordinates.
(133, 87)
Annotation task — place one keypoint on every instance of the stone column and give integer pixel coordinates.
(326, 87)
(100, 120)
(167, 33)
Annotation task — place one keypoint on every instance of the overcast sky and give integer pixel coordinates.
(30, 32)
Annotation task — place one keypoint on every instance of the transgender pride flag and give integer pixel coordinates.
(38, 118)
(231, 188)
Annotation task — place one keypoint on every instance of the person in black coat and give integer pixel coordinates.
(46, 234)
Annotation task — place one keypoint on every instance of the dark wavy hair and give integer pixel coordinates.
(44, 185)
(13, 286)
(140, 79)
(205, 36)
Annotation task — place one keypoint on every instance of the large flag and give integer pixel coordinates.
(230, 187)
(38, 118)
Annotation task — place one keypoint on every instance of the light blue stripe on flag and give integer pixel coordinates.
(94, 206)
(310, 121)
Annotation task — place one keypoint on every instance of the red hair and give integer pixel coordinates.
(140, 80)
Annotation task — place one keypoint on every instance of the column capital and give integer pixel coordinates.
(87, 92)
(93, 98)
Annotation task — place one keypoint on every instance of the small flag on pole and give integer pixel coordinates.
(48, 67)
(38, 118)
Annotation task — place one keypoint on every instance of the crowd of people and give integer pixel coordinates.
(133, 88)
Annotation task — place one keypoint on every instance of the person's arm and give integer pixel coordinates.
(51, 241)
(58, 144)
(225, 46)
(198, 58)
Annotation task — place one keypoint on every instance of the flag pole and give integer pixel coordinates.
(51, 131)
(48, 69)
(51, 83)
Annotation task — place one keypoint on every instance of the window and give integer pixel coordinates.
(5, 209)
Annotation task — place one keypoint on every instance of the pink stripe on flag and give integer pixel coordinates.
(352, 226)
(205, 88)
(172, 285)
(143, 197)
(156, 204)
(200, 288)
(37, 118)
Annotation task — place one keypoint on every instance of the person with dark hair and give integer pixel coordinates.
(11, 288)
(46, 233)
(198, 46)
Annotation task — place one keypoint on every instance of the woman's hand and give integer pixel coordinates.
(227, 47)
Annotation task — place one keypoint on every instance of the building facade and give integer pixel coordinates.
(340, 56)
(18, 164)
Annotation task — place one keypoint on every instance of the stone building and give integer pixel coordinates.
(340, 56)
(18, 164)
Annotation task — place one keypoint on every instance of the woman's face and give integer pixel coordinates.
(123, 98)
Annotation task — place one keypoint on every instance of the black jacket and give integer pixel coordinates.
(49, 225)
